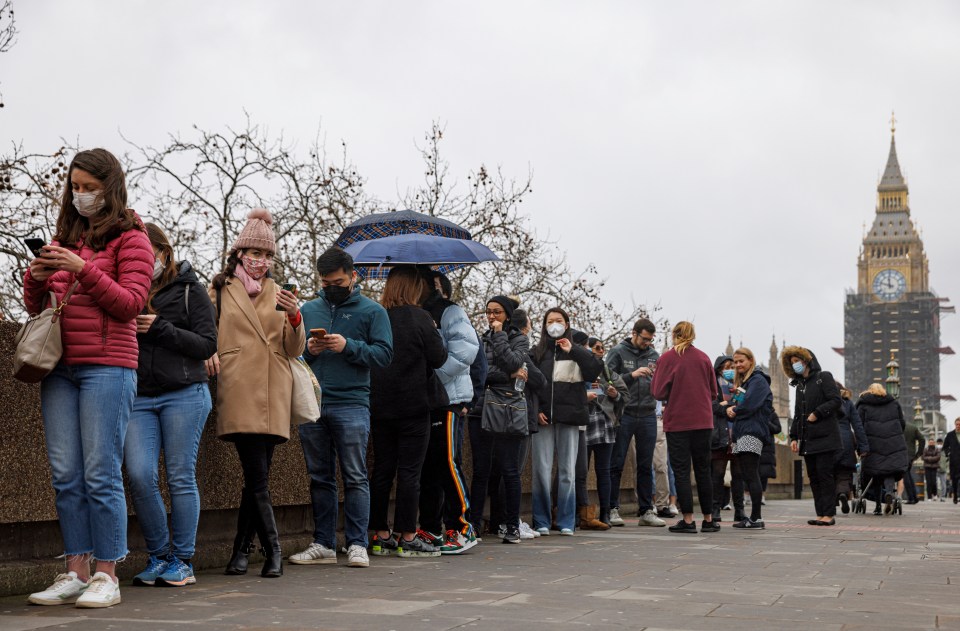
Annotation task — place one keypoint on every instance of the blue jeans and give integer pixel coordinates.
(342, 432)
(174, 422)
(86, 409)
(562, 440)
(644, 429)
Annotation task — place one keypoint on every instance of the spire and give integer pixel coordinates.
(773, 346)
(892, 179)
(729, 350)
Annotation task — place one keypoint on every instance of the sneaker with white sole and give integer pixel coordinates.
(650, 519)
(615, 518)
(102, 591)
(315, 554)
(525, 528)
(428, 537)
(566, 532)
(543, 532)
(383, 547)
(65, 590)
(456, 542)
(155, 567)
(357, 556)
(416, 547)
(177, 574)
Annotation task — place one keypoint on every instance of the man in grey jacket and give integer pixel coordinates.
(443, 489)
(635, 359)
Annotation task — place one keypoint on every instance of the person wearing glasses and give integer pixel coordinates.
(634, 359)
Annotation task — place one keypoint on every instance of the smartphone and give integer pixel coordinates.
(318, 333)
(35, 245)
(292, 288)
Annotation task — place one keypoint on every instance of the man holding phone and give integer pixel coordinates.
(349, 334)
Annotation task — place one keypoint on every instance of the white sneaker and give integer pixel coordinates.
(357, 556)
(65, 590)
(315, 554)
(615, 518)
(526, 532)
(102, 591)
(543, 532)
(650, 519)
(673, 511)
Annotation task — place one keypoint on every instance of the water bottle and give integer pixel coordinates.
(518, 383)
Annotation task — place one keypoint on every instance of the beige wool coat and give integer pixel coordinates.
(255, 342)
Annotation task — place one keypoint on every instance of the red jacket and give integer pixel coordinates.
(688, 385)
(98, 325)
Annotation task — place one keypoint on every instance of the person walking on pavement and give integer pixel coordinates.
(942, 471)
(853, 441)
(931, 465)
(255, 342)
(353, 335)
(634, 359)
(951, 447)
(685, 381)
(915, 442)
(814, 433)
(887, 459)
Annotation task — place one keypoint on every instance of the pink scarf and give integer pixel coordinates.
(252, 285)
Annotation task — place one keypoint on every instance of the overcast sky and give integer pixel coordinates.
(718, 158)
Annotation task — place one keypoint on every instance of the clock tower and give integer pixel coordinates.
(893, 310)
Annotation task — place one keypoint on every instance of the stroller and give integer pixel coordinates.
(873, 488)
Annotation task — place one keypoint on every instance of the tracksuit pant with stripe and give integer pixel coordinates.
(444, 503)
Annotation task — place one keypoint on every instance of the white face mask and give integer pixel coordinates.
(87, 204)
(157, 269)
(555, 329)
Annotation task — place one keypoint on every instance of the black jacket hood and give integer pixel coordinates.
(720, 361)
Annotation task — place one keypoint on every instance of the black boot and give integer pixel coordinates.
(269, 537)
(605, 516)
(738, 515)
(243, 542)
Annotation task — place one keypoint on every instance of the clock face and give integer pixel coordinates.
(889, 284)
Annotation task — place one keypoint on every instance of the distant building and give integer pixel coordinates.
(893, 310)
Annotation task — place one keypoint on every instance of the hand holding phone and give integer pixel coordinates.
(318, 333)
(35, 245)
(292, 288)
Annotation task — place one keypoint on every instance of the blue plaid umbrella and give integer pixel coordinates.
(373, 258)
(379, 225)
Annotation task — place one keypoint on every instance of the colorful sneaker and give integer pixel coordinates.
(456, 542)
(615, 518)
(315, 554)
(65, 590)
(526, 529)
(102, 591)
(383, 547)
(511, 534)
(177, 574)
(429, 538)
(417, 547)
(357, 556)
(155, 567)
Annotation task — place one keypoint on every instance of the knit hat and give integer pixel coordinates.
(258, 232)
(508, 304)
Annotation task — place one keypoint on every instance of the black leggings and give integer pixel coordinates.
(719, 470)
(930, 483)
(256, 455)
(684, 448)
(399, 449)
(750, 470)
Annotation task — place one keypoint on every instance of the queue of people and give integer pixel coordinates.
(407, 372)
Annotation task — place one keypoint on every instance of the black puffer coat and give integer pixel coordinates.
(883, 422)
(817, 394)
(506, 352)
(852, 436)
(768, 457)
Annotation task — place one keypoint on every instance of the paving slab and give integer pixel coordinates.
(867, 572)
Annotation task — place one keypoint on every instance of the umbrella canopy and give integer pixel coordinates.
(379, 225)
(374, 258)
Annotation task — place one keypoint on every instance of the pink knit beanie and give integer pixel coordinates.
(257, 233)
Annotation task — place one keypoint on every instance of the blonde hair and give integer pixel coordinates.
(683, 336)
(746, 352)
(875, 388)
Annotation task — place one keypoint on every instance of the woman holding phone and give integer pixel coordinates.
(100, 249)
(254, 384)
(176, 332)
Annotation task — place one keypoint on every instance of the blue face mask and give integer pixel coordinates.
(728, 374)
(798, 367)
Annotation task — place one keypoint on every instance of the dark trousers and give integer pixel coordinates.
(719, 469)
(399, 447)
(909, 486)
(844, 481)
(484, 446)
(602, 455)
(822, 482)
(444, 504)
(256, 454)
(930, 482)
(749, 465)
(644, 431)
(686, 447)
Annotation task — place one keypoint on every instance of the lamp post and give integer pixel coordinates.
(893, 377)
(917, 412)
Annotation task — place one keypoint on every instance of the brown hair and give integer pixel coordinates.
(404, 286)
(643, 324)
(746, 352)
(159, 240)
(683, 336)
(114, 219)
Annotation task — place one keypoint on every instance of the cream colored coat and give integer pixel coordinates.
(255, 342)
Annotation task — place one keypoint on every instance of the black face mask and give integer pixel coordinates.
(337, 295)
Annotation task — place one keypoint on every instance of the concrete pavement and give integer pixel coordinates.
(868, 572)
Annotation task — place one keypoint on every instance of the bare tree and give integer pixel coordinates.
(8, 30)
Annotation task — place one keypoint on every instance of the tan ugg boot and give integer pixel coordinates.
(588, 518)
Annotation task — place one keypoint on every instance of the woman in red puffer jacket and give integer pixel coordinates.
(87, 399)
